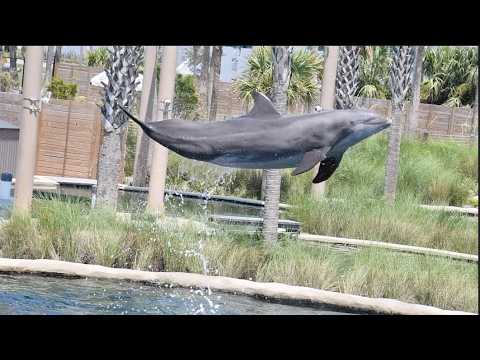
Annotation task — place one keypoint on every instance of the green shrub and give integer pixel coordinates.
(7, 82)
(186, 100)
(98, 57)
(62, 90)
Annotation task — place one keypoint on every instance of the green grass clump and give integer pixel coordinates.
(376, 273)
(361, 217)
(432, 172)
(73, 232)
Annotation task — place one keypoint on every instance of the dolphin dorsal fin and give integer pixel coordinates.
(262, 106)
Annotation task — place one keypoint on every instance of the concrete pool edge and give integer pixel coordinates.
(275, 291)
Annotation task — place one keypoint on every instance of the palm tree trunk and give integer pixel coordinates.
(57, 58)
(474, 126)
(195, 51)
(82, 54)
(400, 81)
(49, 65)
(109, 168)
(281, 61)
(13, 61)
(122, 72)
(58, 54)
(416, 84)
(210, 83)
(140, 169)
(216, 67)
(327, 100)
(203, 83)
(308, 107)
(1, 58)
(347, 76)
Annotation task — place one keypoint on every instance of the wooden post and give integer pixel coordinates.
(451, 122)
(428, 123)
(39, 133)
(158, 170)
(327, 102)
(66, 137)
(95, 140)
(27, 144)
(474, 125)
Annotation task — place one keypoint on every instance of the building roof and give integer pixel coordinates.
(7, 125)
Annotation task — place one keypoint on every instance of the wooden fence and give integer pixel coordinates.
(69, 135)
(10, 108)
(69, 139)
(437, 121)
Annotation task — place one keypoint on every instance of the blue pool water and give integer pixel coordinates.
(28, 294)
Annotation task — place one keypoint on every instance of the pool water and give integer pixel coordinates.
(39, 295)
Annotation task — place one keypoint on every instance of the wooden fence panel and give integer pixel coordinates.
(68, 139)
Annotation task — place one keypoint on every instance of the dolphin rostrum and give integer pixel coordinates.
(264, 139)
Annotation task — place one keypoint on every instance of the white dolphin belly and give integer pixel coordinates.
(249, 161)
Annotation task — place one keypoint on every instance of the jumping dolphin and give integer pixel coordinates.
(264, 139)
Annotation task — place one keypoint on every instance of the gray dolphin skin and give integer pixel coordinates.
(264, 139)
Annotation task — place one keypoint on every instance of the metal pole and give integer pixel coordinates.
(27, 145)
(166, 92)
(327, 101)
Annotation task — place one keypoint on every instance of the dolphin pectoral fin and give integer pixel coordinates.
(262, 107)
(327, 168)
(310, 159)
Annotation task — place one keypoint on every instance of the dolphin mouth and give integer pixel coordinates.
(376, 121)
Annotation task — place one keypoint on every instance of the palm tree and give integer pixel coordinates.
(1, 57)
(281, 73)
(58, 53)
(416, 82)
(49, 64)
(303, 85)
(373, 72)
(450, 75)
(13, 61)
(204, 77)
(194, 58)
(347, 76)
(400, 82)
(216, 62)
(122, 72)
